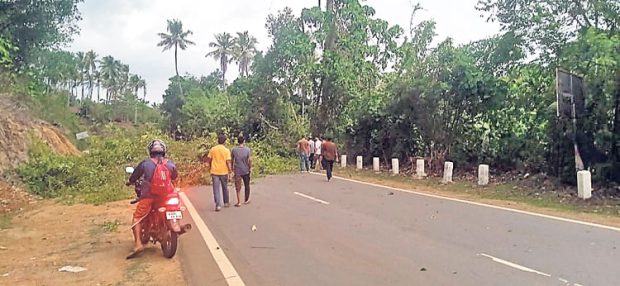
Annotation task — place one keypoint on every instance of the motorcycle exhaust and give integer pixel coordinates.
(185, 229)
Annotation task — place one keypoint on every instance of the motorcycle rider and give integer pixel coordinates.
(146, 169)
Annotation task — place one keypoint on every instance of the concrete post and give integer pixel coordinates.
(419, 169)
(584, 185)
(343, 161)
(360, 162)
(483, 175)
(447, 172)
(375, 164)
(395, 166)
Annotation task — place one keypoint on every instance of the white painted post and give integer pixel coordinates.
(584, 185)
(483, 175)
(447, 172)
(343, 161)
(375, 164)
(419, 169)
(395, 166)
(360, 162)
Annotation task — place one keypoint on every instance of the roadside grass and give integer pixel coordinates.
(110, 226)
(565, 202)
(5, 221)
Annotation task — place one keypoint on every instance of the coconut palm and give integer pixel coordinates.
(224, 44)
(243, 51)
(176, 38)
(90, 66)
(110, 74)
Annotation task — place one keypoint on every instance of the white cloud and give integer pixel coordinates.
(128, 30)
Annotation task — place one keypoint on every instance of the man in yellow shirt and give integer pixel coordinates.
(220, 166)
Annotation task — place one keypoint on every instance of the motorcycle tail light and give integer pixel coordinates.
(173, 201)
(162, 209)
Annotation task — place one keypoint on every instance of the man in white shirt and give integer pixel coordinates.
(312, 151)
(317, 153)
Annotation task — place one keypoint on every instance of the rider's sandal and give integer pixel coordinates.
(135, 253)
(238, 205)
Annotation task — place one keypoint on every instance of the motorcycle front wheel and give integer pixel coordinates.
(169, 245)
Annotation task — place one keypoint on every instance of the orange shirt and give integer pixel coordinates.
(303, 146)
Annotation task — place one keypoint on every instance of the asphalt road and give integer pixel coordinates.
(311, 232)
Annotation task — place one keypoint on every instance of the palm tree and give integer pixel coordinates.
(80, 71)
(176, 38)
(223, 52)
(244, 50)
(110, 73)
(90, 65)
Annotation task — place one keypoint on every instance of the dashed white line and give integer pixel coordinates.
(227, 269)
(312, 198)
(514, 265)
(563, 280)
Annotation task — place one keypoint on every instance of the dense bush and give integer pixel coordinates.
(98, 176)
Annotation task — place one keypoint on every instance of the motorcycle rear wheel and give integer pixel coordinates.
(169, 244)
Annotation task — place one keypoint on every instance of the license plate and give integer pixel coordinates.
(174, 215)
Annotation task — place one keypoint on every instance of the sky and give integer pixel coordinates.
(127, 29)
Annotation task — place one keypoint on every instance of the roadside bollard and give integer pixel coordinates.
(419, 169)
(584, 185)
(483, 175)
(360, 162)
(375, 164)
(395, 166)
(447, 172)
(343, 161)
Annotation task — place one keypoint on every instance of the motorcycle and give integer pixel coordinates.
(162, 224)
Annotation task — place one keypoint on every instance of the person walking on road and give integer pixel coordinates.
(220, 166)
(303, 149)
(329, 154)
(312, 151)
(242, 166)
(317, 153)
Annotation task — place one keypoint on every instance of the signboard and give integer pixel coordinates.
(570, 96)
(81, 135)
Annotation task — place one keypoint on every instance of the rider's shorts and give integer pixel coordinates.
(143, 208)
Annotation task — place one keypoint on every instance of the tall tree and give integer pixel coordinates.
(90, 66)
(224, 45)
(176, 38)
(110, 73)
(244, 51)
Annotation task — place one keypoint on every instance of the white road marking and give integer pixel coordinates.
(227, 269)
(563, 280)
(577, 284)
(514, 265)
(481, 204)
(312, 198)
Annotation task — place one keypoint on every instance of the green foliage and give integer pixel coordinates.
(38, 24)
(98, 176)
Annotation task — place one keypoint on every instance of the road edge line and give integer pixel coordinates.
(228, 270)
(481, 204)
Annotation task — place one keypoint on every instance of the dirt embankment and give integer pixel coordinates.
(18, 127)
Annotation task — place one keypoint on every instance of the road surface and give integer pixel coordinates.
(311, 232)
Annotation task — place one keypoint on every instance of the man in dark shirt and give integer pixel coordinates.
(145, 170)
(242, 166)
(329, 154)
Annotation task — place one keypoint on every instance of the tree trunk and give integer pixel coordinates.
(176, 67)
(615, 149)
(224, 66)
(98, 89)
